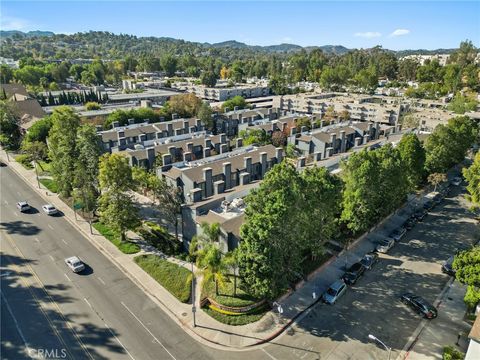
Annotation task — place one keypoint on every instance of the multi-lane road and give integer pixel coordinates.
(101, 314)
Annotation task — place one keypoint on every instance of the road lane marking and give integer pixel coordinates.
(64, 242)
(20, 332)
(6, 202)
(100, 279)
(15, 213)
(148, 330)
(36, 239)
(88, 303)
(50, 226)
(67, 277)
(118, 340)
(52, 258)
(269, 355)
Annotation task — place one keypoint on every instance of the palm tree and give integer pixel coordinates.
(211, 264)
(210, 234)
(231, 261)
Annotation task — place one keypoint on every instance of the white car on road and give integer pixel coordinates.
(49, 209)
(23, 206)
(385, 245)
(75, 264)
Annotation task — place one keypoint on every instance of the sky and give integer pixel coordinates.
(354, 24)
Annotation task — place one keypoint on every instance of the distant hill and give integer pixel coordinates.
(11, 33)
(334, 49)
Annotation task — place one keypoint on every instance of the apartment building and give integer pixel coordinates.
(381, 109)
(232, 121)
(222, 93)
(123, 137)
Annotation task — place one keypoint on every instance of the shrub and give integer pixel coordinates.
(237, 320)
(126, 247)
(92, 105)
(25, 160)
(450, 353)
(472, 297)
(160, 238)
(176, 279)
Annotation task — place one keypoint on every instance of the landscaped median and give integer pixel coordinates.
(230, 308)
(127, 247)
(175, 278)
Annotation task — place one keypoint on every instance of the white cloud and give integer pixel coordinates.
(400, 32)
(13, 23)
(368, 34)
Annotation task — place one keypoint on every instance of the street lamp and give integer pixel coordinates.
(194, 309)
(374, 338)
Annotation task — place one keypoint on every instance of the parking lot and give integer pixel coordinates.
(372, 306)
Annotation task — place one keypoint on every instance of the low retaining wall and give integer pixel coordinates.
(233, 309)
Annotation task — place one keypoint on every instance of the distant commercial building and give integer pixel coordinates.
(9, 62)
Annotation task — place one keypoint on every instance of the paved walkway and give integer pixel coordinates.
(208, 330)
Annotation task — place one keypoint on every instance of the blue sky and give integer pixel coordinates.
(394, 25)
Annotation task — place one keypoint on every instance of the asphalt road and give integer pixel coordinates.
(103, 315)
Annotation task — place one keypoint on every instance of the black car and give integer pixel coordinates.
(447, 267)
(410, 223)
(428, 205)
(420, 305)
(369, 260)
(398, 234)
(419, 215)
(353, 273)
(437, 199)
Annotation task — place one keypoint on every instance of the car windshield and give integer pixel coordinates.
(355, 267)
(76, 263)
(331, 292)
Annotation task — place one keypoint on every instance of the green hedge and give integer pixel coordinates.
(25, 160)
(126, 247)
(49, 184)
(450, 353)
(176, 279)
(237, 320)
(160, 238)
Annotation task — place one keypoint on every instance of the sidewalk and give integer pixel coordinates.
(444, 330)
(209, 331)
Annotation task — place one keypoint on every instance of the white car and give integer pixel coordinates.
(457, 180)
(49, 209)
(75, 264)
(385, 245)
(23, 206)
(334, 292)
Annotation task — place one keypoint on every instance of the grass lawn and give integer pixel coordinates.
(176, 279)
(124, 246)
(49, 184)
(44, 167)
(24, 160)
(225, 297)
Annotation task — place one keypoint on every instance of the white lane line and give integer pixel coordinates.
(88, 302)
(100, 279)
(148, 330)
(51, 257)
(36, 239)
(64, 242)
(115, 336)
(15, 213)
(67, 277)
(6, 202)
(16, 324)
(269, 355)
(50, 226)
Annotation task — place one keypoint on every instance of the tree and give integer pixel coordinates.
(224, 73)
(62, 148)
(270, 253)
(211, 264)
(170, 202)
(168, 62)
(279, 138)
(92, 105)
(208, 78)
(413, 157)
(467, 267)
(205, 113)
(231, 260)
(303, 122)
(436, 179)
(184, 105)
(407, 69)
(235, 102)
(367, 79)
(10, 134)
(36, 150)
(39, 130)
(254, 136)
(463, 103)
(6, 74)
(88, 150)
(116, 206)
(472, 176)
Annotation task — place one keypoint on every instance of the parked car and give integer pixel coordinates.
(49, 209)
(447, 267)
(457, 180)
(420, 305)
(419, 215)
(75, 264)
(428, 205)
(398, 234)
(369, 260)
(352, 275)
(437, 199)
(334, 292)
(23, 206)
(410, 223)
(385, 245)
(446, 190)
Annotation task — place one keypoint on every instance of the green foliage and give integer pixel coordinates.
(184, 105)
(413, 157)
(126, 247)
(472, 297)
(50, 184)
(205, 114)
(160, 238)
(138, 115)
(209, 261)
(467, 266)
(451, 353)
(25, 160)
(375, 185)
(35, 150)
(92, 105)
(463, 103)
(472, 176)
(39, 130)
(9, 126)
(208, 78)
(254, 136)
(176, 279)
(238, 320)
(236, 101)
(62, 145)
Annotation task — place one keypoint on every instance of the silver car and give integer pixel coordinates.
(385, 245)
(49, 209)
(75, 264)
(334, 292)
(23, 206)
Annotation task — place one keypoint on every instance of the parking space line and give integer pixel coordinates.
(100, 279)
(67, 277)
(50, 226)
(15, 213)
(269, 355)
(36, 239)
(64, 242)
(88, 302)
(148, 330)
(52, 258)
